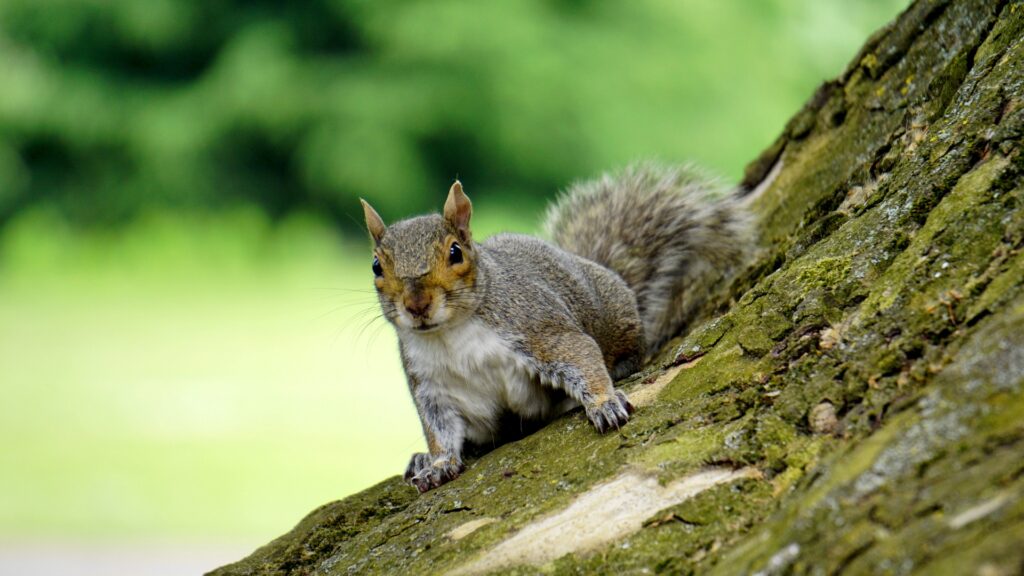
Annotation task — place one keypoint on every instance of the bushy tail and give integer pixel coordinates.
(670, 232)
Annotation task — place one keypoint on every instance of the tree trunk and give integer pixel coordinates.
(858, 408)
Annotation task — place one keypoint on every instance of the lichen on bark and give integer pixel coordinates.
(869, 365)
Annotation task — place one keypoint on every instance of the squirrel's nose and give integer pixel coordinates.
(417, 303)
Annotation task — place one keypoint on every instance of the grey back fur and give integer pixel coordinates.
(667, 231)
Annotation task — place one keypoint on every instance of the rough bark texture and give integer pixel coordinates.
(858, 408)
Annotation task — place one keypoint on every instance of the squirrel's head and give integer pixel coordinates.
(425, 268)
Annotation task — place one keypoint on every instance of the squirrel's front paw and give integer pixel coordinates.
(612, 413)
(426, 472)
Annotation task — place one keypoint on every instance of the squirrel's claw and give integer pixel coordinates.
(426, 472)
(629, 406)
(612, 413)
(419, 461)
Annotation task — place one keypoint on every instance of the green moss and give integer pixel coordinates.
(823, 273)
(685, 450)
(926, 473)
(755, 340)
(775, 438)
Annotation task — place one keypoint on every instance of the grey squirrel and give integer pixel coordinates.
(515, 324)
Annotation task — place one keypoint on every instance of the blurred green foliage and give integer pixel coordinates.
(114, 108)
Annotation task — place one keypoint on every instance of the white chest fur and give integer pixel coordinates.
(471, 368)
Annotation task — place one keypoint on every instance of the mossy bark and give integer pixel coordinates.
(870, 365)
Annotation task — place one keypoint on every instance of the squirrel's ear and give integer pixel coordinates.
(373, 222)
(458, 209)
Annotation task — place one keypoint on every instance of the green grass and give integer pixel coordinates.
(200, 377)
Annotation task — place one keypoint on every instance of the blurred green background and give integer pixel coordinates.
(188, 347)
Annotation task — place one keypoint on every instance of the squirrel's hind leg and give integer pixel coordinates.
(627, 366)
(574, 363)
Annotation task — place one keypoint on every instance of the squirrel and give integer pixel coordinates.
(519, 325)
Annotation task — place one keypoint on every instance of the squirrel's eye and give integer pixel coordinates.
(455, 254)
(377, 270)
